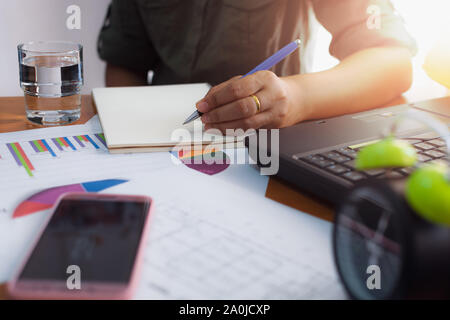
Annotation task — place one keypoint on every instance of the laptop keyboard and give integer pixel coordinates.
(341, 162)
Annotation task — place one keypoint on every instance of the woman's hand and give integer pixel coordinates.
(364, 80)
(230, 105)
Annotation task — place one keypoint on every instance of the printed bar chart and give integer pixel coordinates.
(53, 147)
(80, 141)
(83, 139)
(101, 138)
(20, 157)
(69, 143)
(40, 146)
(63, 142)
(57, 144)
(91, 141)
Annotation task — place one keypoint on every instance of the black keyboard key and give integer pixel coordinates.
(318, 161)
(312, 156)
(347, 152)
(424, 146)
(435, 154)
(323, 163)
(354, 176)
(372, 172)
(338, 169)
(350, 164)
(334, 156)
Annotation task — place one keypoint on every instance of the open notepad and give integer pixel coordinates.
(146, 119)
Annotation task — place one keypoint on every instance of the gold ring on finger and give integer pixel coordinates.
(258, 103)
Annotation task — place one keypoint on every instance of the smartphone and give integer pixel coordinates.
(89, 248)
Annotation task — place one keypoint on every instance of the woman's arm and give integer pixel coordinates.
(367, 79)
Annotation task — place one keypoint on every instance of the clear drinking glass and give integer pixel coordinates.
(51, 76)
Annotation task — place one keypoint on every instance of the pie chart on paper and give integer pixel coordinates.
(45, 199)
(193, 159)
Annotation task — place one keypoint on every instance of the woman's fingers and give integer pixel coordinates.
(222, 85)
(255, 122)
(239, 109)
(231, 105)
(202, 105)
(234, 90)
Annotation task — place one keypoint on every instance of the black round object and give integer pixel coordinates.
(383, 250)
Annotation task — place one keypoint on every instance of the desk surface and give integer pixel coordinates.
(12, 118)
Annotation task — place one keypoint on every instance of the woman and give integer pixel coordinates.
(214, 41)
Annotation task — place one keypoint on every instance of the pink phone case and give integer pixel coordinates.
(46, 289)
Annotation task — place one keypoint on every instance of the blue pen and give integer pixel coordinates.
(266, 65)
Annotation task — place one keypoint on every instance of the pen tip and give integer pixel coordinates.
(298, 42)
(192, 117)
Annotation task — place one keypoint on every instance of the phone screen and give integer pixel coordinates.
(101, 237)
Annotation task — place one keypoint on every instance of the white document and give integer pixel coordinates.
(212, 237)
(77, 166)
(220, 241)
(67, 167)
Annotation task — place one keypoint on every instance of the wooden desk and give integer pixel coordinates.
(12, 118)
(12, 114)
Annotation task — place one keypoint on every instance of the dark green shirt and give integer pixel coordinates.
(213, 40)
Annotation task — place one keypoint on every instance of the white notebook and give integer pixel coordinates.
(145, 119)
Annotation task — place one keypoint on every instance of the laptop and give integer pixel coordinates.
(318, 157)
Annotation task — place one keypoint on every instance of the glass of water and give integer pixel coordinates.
(51, 76)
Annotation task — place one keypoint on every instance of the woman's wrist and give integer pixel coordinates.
(298, 97)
